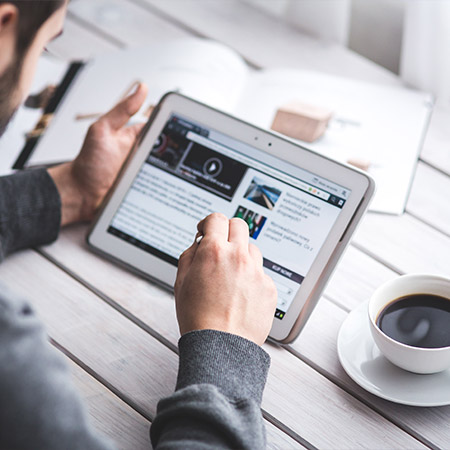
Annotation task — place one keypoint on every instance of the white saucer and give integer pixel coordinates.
(364, 363)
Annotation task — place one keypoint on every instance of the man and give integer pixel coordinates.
(225, 303)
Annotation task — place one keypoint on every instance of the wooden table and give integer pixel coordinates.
(119, 331)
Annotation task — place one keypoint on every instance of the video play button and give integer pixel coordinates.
(212, 167)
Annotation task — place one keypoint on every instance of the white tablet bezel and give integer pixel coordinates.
(360, 184)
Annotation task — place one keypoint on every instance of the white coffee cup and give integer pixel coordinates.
(414, 359)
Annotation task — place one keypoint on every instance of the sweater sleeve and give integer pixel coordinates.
(30, 210)
(221, 378)
(39, 405)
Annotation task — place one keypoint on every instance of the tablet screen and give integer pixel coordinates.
(192, 171)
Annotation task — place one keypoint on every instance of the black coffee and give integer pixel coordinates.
(420, 320)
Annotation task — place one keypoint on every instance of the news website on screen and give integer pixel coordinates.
(193, 171)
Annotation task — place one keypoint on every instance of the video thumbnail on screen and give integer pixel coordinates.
(169, 148)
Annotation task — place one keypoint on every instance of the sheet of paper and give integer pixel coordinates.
(383, 125)
(49, 71)
(205, 70)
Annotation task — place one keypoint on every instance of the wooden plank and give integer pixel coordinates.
(317, 343)
(232, 23)
(264, 40)
(436, 149)
(130, 361)
(87, 327)
(325, 414)
(429, 200)
(78, 43)
(278, 440)
(128, 429)
(353, 283)
(306, 413)
(124, 22)
(110, 415)
(404, 244)
(355, 279)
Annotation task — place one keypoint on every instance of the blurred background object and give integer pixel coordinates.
(425, 57)
(410, 38)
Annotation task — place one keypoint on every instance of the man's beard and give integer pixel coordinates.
(9, 81)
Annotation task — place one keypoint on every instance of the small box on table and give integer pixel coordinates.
(301, 121)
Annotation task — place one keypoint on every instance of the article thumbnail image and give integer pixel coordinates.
(262, 194)
(255, 221)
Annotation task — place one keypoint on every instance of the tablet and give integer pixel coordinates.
(192, 160)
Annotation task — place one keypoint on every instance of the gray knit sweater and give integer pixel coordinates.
(221, 377)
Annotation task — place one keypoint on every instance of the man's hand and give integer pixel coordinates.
(221, 284)
(84, 182)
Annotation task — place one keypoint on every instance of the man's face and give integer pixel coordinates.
(17, 73)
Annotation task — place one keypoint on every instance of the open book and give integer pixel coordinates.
(379, 124)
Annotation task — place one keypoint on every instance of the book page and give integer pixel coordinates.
(205, 70)
(382, 125)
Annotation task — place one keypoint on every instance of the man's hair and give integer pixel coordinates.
(32, 15)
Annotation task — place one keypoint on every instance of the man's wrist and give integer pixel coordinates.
(74, 207)
(236, 366)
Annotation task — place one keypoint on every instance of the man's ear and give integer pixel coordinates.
(8, 17)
